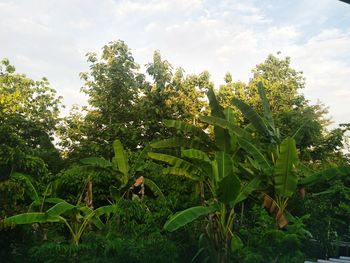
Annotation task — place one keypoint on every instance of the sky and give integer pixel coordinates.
(44, 38)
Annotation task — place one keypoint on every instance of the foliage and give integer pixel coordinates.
(264, 243)
(251, 174)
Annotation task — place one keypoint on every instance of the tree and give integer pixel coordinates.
(289, 108)
(171, 96)
(29, 110)
(113, 86)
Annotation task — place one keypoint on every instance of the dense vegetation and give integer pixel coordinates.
(164, 167)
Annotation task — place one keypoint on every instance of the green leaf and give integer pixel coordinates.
(120, 160)
(105, 210)
(187, 128)
(180, 172)
(236, 243)
(225, 124)
(285, 177)
(222, 137)
(186, 216)
(96, 162)
(27, 184)
(59, 209)
(266, 106)
(54, 200)
(224, 164)
(228, 188)
(252, 150)
(154, 188)
(174, 161)
(247, 189)
(29, 218)
(230, 117)
(179, 142)
(325, 175)
(216, 109)
(252, 116)
(195, 154)
(97, 222)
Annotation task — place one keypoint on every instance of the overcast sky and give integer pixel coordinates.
(50, 38)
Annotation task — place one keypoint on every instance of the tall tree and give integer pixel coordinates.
(29, 110)
(171, 96)
(113, 85)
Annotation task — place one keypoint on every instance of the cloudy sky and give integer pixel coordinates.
(50, 38)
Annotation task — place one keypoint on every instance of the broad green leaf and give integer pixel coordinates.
(187, 128)
(285, 177)
(96, 162)
(27, 184)
(225, 124)
(186, 216)
(229, 188)
(180, 172)
(29, 218)
(247, 189)
(236, 243)
(105, 210)
(97, 222)
(325, 175)
(252, 116)
(179, 142)
(222, 137)
(230, 117)
(252, 150)
(59, 209)
(54, 200)
(195, 154)
(154, 188)
(216, 109)
(120, 160)
(174, 161)
(224, 164)
(266, 105)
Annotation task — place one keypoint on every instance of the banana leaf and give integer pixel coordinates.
(187, 128)
(195, 154)
(59, 209)
(252, 150)
(175, 162)
(186, 216)
(324, 175)
(247, 189)
(286, 178)
(229, 188)
(27, 184)
(154, 188)
(179, 142)
(252, 116)
(97, 162)
(120, 160)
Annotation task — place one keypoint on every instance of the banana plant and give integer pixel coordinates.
(219, 175)
(76, 218)
(279, 162)
(39, 200)
(128, 176)
(213, 164)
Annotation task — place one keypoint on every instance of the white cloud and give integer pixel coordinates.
(49, 38)
(325, 62)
